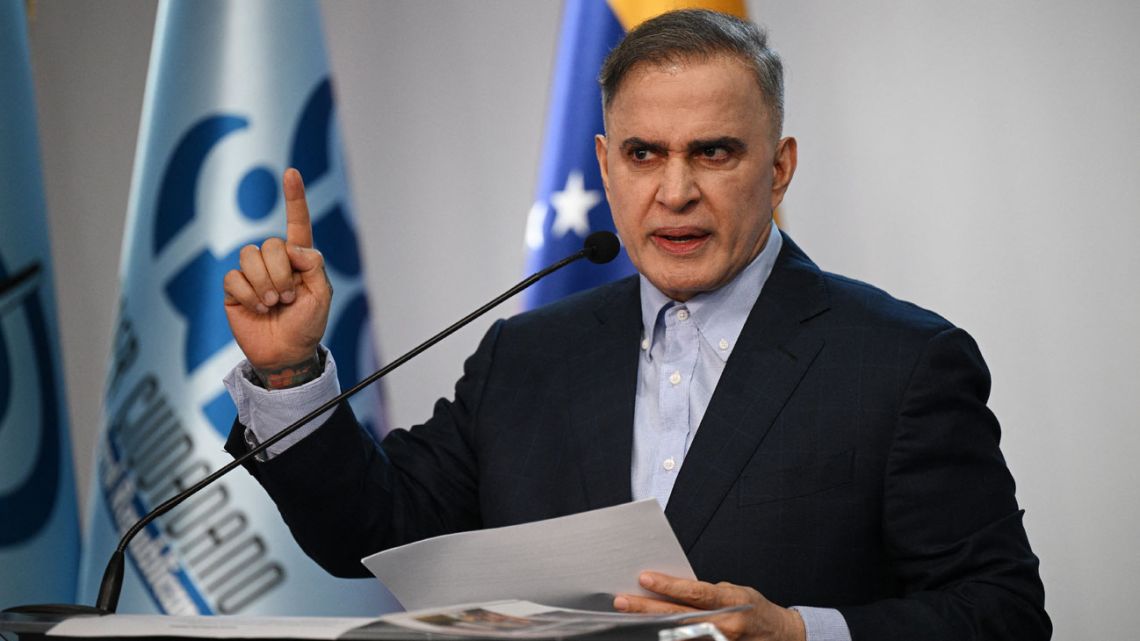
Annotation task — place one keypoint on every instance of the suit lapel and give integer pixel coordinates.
(772, 355)
(603, 385)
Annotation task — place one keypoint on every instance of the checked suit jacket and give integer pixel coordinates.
(847, 458)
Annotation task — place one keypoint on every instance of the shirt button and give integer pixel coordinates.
(644, 343)
(723, 343)
(682, 314)
(675, 378)
(669, 464)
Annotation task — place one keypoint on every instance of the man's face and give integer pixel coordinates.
(692, 172)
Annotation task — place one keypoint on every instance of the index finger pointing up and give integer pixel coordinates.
(298, 226)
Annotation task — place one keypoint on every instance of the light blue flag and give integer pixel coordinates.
(570, 203)
(39, 525)
(236, 92)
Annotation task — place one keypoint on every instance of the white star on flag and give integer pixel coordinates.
(571, 206)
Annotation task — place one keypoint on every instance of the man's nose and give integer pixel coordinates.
(678, 189)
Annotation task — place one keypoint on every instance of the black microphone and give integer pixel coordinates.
(599, 247)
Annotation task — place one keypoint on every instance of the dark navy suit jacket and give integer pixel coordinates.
(847, 458)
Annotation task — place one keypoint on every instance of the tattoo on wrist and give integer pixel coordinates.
(291, 375)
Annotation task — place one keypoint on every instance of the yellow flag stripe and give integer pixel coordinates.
(631, 13)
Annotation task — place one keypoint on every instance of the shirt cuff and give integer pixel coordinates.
(823, 624)
(264, 412)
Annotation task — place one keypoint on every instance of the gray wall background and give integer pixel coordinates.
(977, 158)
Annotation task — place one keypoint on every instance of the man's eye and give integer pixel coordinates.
(714, 153)
(641, 154)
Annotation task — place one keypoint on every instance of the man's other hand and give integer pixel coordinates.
(278, 302)
(763, 620)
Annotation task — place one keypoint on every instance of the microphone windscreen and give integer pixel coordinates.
(601, 247)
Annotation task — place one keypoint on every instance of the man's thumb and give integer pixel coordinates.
(309, 263)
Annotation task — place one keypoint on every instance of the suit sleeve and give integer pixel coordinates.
(345, 497)
(952, 526)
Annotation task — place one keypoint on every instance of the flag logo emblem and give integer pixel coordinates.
(30, 490)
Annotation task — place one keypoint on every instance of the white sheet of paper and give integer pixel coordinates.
(576, 561)
(206, 627)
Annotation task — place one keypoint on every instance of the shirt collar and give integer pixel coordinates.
(720, 314)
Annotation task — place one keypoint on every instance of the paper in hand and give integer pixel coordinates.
(576, 561)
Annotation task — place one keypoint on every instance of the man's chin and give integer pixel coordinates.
(681, 289)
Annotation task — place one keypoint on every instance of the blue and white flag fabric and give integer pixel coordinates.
(570, 203)
(236, 92)
(39, 521)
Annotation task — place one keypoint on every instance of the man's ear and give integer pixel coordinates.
(783, 168)
(601, 145)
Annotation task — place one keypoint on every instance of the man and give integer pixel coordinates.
(816, 442)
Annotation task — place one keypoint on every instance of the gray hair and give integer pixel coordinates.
(698, 34)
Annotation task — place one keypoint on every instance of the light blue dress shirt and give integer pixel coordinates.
(684, 349)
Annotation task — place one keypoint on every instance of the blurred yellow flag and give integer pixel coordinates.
(631, 13)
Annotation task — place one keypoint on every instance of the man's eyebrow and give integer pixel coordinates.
(638, 143)
(728, 142)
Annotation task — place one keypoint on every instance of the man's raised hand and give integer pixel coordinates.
(278, 302)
